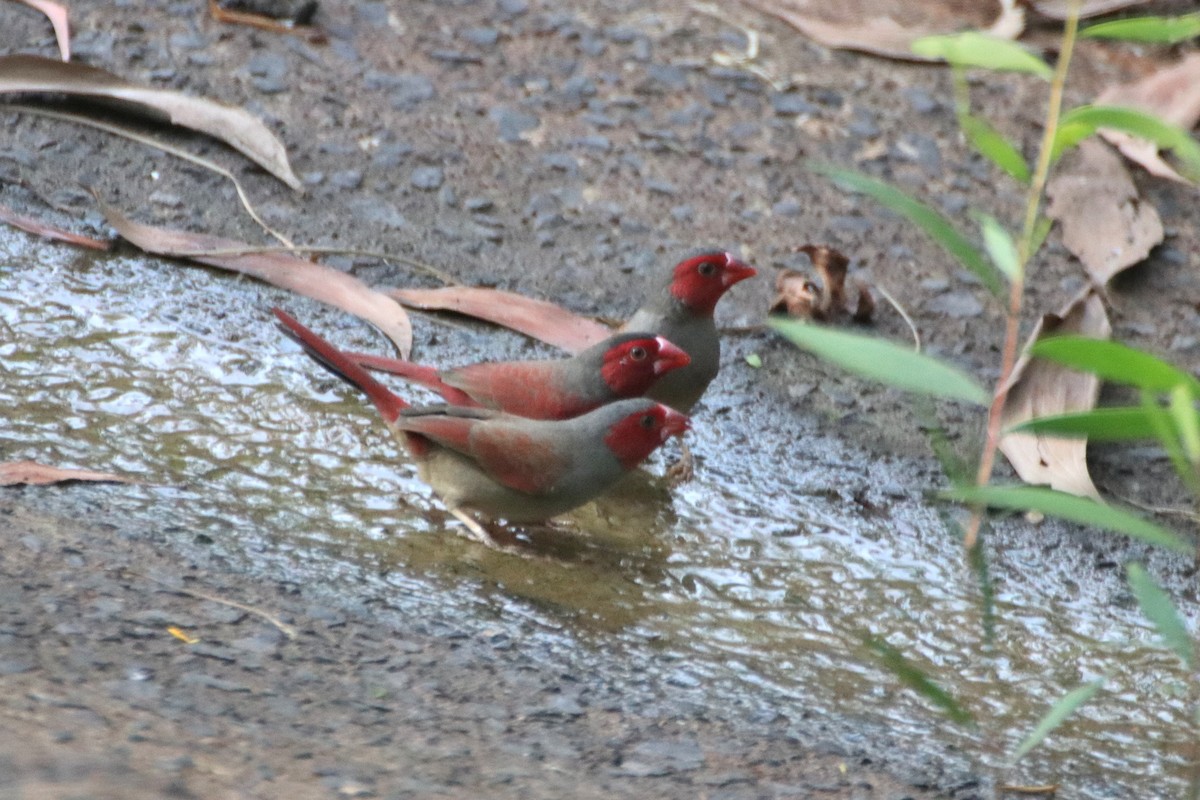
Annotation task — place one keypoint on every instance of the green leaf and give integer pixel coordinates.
(1160, 30)
(1069, 507)
(1114, 362)
(1079, 123)
(912, 677)
(992, 144)
(977, 558)
(922, 215)
(974, 49)
(883, 361)
(1159, 609)
(1168, 436)
(1001, 247)
(1187, 421)
(1041, 230)
(1114, 424)
(754, 360)
(1055, 716)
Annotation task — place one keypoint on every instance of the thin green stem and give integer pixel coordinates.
(1016, 297)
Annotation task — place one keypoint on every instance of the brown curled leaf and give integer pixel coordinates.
(57, 14)
(1171, 93)
(304, 277)
(1105, 223)
(800, 296)
(235, 126)
(1041, 388)
(889, 28)
(31, 473)
(866, 303)
(36, 226)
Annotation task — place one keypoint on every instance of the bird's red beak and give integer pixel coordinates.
(736, 271)
(674, 423)
(669, 357)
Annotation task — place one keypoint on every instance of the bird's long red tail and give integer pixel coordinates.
(428, 377)
(389, 404)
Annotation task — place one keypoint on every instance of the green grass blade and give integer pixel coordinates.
(1159, 609)
(974, 49)
(1055, 716)
(1114, 362)
(1168, 436)
(1187, 421)
(977, 559)
(1158, 30)
(912, 677)
(1041, 230)
(1069, 507)
(1001, 247)
(930, 221)
(992, 144)
(883, 361)
(1079, 123)
(1114, 424)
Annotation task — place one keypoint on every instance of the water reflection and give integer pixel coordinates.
(761, 575)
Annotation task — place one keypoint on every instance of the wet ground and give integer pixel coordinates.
(702, 641)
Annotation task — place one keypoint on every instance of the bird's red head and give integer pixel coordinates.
(636, 435)
(635, 361)
(699, 282)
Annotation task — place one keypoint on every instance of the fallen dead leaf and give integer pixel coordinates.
(31, 473)
(889, 27)
(539, 319)
(800, 296)
(1060, 9)
(1041, 388)
(1172, 93)
(1104, 222)
(57, 14)
(298, 17)
(40, 228)
(313, 280)
(238, 128)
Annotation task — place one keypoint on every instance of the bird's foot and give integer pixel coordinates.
(477, 531)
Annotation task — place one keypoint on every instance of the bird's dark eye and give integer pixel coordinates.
(707, 268)
(638, 353)
(648, 421)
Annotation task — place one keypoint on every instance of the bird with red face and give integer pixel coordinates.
(680, 310)
(622, 366)
(505, 466)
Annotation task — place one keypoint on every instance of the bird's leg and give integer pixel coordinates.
(684, 469)
(474, 528)
(479, 532)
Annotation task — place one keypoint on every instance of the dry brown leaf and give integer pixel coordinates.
(57, 14)
(285, 271)
(1172, 93)
(800, 296)
(31, 473)
(888, 27)
(40, 228)
(238, 128)
(1060, 9)
(1104, 222)
(1041, 388)
(539, 319)
(285, 17)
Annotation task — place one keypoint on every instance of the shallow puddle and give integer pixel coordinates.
(757, 580)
